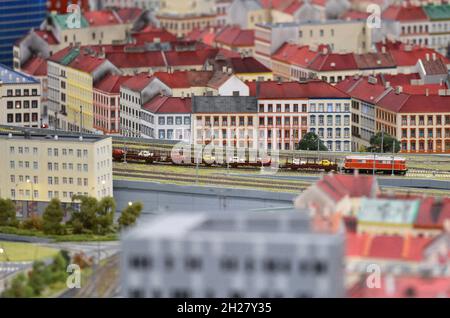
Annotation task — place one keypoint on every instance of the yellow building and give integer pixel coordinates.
(180, 17)
(72, 74)
(35, 169)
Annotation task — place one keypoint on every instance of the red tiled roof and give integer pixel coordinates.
(434, 66)
(403, 287)
(206, 35)
(404, 57)
(138, 82)
(430, 89)
(334, 62)
(185, 79)
(392, 247)
(433, 213)
(100, 18)
(35, 66)
(339, 186)
(149, 35)
(310, 89)
(294, 54)
(128, 15)
(361, 89)
(374, 60)
(248, 65)
(235, 36)
(405, 103)
(169, 105)
(47, 36)
(355, 15)
(228, 53)
(198, 57)
(136, 59)
(86, 63)
(404, 13)
(111, 83)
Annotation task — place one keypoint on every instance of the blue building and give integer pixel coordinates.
(17, 17)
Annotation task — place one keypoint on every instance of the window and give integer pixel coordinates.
(161, 120)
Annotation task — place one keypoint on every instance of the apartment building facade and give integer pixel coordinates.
(288, 110)
(36, 169)
(107, 103)
(72, 74)
(134, 93)
(167, 118)
(235, 255)
(229, 121)
(421, 123)
(20, 99)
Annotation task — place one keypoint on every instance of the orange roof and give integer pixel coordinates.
(235, 36)
(35, 66)
(111, 83)
(169, 105)
(388, 247)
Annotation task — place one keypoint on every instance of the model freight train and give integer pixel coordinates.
(350, 164)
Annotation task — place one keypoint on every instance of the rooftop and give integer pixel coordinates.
(308, 89)
(9, 76)
(169, 105)
(224, 104)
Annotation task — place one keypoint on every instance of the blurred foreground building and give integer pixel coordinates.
(244, 254)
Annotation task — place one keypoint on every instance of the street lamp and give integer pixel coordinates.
(130, 203)
(32, 193)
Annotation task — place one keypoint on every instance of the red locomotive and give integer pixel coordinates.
(367, 164)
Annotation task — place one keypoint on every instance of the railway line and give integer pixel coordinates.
(221, 180)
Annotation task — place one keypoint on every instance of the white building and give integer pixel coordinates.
(232, 255)
(20, 99)
(167, 118)
(134, 93)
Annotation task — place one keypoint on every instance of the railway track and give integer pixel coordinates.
(213, 180)
(104, 282)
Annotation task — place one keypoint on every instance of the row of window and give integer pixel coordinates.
(430, 120)
(18, 104)
(313, 107)
(22, 118)
(54, 166)
(332, 133)
(425, 146)
(50, 194)
(20, 92)
(329, 120)
(430, 133)
(231, 264)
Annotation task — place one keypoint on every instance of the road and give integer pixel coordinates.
(97, 250)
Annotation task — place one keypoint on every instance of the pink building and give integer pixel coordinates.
(107, 103)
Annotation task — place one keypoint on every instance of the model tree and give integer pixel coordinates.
(382, 142)
(311, 141)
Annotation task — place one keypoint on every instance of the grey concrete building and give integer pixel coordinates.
(231, 255)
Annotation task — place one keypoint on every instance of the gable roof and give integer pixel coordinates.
(138, 82)
(404, 13)
(247, 65)
(111, 83)
(280, 90)
(169, 105)
(35, 66)
(339, 186)
(405, 103)
(235, 36)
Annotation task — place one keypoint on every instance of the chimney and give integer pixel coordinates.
(325, 50)
(383, 49)
(427, 93)
(399, 90)
(387, 85)
(434, 56)
(427, 57)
